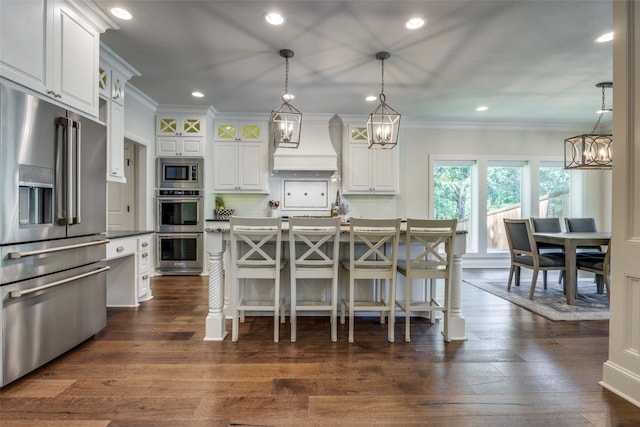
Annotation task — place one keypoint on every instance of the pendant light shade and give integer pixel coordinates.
(383, 124)
(593, 150)
(286, 120)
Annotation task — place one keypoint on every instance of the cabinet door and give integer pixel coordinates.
(23, 42)
(166, 125)
(191, 126)
(226, 131)
(384, 172)
(192, 146)
(359, 168)
(167, 146)
(75, 60)
(117, 87)
(225, 156)
(250, 167)
(251, 131)
(115, 147)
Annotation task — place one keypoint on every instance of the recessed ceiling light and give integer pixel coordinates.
(482, 108)
(274, 18)
(371, 98)
(197, 94)
(414, 23)
(606, 37)
(121, 13)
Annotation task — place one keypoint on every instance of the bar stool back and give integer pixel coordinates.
(256, 254)
(429, 244)
(314, 255)
(373, 255)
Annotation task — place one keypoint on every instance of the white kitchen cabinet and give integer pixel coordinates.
(180, 125)
(143, 267)
(52, 47)
(240, 167)
(246, 131)
(180, 135)
(129, 276)
(187, 146)
(369, 170)
(113, 74)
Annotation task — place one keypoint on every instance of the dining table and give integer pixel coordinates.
(571, 241)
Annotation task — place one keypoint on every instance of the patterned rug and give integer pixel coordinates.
(552, 303)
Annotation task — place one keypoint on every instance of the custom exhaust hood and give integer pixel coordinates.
(320, 142)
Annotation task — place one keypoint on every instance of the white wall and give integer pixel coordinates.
(139, 127)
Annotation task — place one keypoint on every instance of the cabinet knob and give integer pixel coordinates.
(145, 277)
(145, 244)
(144, 255)
(120, 249)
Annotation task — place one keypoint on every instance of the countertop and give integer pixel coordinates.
(126, 233)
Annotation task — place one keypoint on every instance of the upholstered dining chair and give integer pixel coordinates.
(314, 245)
(256, 254)
(429, 255)
(373, 256)
(581, 225)
(524, 253)
(547, 225)
(599, 265)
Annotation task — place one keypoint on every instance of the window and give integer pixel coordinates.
(481, 191)
(452, 193)
(504, 200)
(554, 190)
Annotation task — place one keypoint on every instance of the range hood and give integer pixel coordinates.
(320, 142)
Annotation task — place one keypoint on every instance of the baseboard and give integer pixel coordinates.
(621, 381)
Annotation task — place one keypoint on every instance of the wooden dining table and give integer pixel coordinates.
(570, 242)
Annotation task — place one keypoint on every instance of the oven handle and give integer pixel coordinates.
(18, 294)
(179, 199)
(17, 255)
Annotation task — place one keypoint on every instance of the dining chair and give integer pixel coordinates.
(548, 225)
(373, 255)
(429, 255)
(599, 264)
(582, 225)
(524, 253)
(314, 245)
(256, 254)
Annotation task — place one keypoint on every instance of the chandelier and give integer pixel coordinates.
(286, 120)
(384, 122)
(593, 150)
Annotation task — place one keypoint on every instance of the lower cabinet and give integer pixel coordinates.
(129, 276)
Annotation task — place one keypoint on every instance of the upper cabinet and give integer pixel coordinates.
(113, 74)
(371, 171)
(181, 133)
(240, 162)
(180, 125)
(52, 47)
(247, 131)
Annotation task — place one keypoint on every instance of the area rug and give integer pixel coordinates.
(551, 302)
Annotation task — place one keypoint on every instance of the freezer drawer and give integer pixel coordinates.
(44, 317)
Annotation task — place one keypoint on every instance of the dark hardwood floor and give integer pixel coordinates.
(150, 367)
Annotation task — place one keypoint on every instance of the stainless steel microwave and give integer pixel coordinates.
(179, 173)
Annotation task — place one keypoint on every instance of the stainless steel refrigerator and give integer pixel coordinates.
(52, 224)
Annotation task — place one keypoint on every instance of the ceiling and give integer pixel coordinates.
(528, 61)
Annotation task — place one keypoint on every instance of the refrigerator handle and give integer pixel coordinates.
(78, 197)
(66, 184)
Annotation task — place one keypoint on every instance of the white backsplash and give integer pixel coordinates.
(258, 204)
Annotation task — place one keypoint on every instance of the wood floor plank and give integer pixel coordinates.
(151, 367)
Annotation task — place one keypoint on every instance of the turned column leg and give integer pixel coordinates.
(454, 322)
(215, 328)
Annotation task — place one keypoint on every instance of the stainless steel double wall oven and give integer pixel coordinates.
(180, 215)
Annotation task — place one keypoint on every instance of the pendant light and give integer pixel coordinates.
(286, 120)
(593, 150)
(384, 122)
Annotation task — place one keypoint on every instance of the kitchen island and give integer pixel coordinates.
(218, 236)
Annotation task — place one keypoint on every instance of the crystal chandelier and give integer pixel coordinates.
(593, 150)
(286, 120)
(384, 122)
